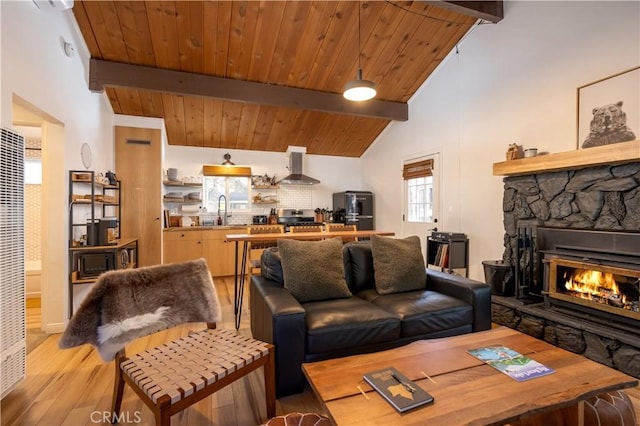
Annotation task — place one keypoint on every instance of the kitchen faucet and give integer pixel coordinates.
(220, 199)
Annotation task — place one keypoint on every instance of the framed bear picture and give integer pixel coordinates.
(609, 110)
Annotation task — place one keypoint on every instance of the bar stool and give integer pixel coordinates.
(256, 248)
(334, 227)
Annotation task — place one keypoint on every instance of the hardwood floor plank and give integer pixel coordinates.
(67, 386)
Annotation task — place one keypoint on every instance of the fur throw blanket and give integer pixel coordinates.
(127, 304)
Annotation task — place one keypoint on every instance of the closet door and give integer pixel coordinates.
(139, 167)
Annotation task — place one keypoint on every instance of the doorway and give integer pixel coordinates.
(421, 197)
(32, 212)
(53, 241)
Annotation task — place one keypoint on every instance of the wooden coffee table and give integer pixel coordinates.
(467, 391)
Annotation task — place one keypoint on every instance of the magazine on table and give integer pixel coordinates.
(402, 393)
(511, 363)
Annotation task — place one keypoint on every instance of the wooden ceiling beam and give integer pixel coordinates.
(488, 10)
(114, 74)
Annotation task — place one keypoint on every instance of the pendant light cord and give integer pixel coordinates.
(359, 48)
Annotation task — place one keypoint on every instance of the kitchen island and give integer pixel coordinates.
(240, 267)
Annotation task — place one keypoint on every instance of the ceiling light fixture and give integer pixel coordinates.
(359, 90)
(227, 160)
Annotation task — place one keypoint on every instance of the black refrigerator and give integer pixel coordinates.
(354, 208)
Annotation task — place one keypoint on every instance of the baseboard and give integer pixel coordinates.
(54, 328)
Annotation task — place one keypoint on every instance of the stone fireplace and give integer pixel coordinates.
(583, 268)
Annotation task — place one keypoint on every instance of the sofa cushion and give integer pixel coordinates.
(313, 270)
(398, 264)
(347, 323)
(358, 266)
(423, 311)
(271, 265)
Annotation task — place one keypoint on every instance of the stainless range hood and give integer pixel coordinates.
(296, 177)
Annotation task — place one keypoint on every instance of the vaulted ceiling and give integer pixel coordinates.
(263, 75)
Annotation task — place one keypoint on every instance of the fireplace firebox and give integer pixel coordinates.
(608, 289)
(592, 273)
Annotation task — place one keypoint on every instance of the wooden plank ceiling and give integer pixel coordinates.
(299, 44)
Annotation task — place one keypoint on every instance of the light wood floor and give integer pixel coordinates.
(73, 386)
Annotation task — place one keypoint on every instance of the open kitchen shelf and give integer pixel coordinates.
(181, 183)
(178, 201)
(185, 188)
(271, 199)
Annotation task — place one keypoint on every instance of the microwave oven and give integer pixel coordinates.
(91, 265)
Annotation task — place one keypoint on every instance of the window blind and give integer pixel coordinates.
(418, 169)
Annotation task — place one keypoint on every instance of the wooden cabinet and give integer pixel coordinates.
(181, 246)
(189, 244)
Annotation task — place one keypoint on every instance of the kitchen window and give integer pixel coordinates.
(220, 192)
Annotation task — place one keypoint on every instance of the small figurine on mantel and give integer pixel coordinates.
(514, 152)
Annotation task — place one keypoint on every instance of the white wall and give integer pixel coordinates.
(514, 81)
(35, 69)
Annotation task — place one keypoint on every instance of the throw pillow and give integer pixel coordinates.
(271, 265)
(313, 270)
(398, 264)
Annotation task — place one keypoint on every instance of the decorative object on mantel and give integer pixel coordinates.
(530, 152)
(620, 153)
(514, 151)
(609, 109)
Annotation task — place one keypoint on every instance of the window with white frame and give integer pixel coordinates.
(418, 178)
(230, 193)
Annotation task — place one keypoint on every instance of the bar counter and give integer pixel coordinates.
(240, 267)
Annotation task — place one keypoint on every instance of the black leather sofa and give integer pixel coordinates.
(449, 305)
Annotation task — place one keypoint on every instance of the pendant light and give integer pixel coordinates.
(359, 90)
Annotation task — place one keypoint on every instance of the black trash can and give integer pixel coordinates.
(499, 276)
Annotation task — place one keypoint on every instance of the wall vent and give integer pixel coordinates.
(12, 275)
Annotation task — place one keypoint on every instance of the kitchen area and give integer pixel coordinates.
(276, 188)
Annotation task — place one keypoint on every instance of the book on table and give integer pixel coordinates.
(511, 363)
(402, 393)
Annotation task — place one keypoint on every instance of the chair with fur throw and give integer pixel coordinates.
(127, 304)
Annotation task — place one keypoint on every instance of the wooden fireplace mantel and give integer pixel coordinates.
(619, 153)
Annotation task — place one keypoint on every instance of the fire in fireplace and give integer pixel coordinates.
(611, 289)
(593, 274)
